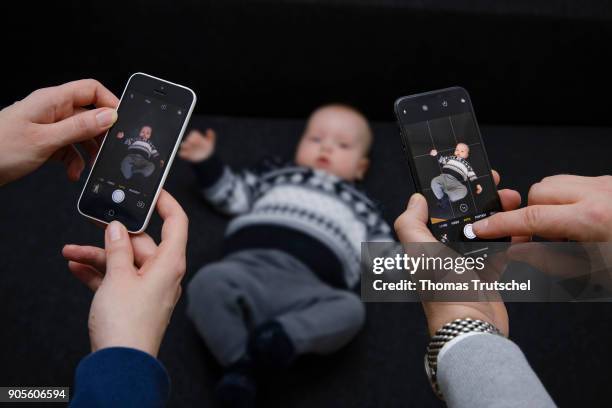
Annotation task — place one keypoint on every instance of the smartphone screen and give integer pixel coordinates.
(448, 161)
(137, 152)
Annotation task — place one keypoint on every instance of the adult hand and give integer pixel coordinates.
(558, 207)
(137, 282)
(411, 227)
(198, 146)
(48, 122)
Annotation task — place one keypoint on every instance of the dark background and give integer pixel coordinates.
(522, 61)
(532, 71)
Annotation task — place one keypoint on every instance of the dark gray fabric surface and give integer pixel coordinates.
(44, 309)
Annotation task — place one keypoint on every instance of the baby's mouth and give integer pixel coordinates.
(323, 162)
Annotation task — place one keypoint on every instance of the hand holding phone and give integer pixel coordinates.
(49, 122)
(448, 161)
(131, 265)
(133, 163)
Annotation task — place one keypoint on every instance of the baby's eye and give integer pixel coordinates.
(344, 145)
(315, 139)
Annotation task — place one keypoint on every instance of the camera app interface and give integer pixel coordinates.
(132, 162)
(451, 167)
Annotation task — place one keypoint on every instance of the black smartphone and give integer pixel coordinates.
(137, 152)
(448, 161)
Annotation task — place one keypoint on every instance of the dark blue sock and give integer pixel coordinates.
(237, 388)
(270, 348)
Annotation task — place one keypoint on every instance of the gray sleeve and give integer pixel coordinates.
(489, 371)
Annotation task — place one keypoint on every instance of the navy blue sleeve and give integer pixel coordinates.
(209, 171)
(120, 377)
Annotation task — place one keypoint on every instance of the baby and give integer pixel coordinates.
(141, 152)
(456, 171)
(292, 254)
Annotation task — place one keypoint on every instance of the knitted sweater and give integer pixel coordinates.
(457, 167)
(142, 147)
(314, 216)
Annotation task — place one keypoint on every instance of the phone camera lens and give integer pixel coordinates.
(444, 103)
(425, 108)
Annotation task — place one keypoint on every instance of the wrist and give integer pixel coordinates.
(140, 344)
(438, 314)
(450, 332)
(206, 156)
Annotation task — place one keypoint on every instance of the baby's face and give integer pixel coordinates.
(335, 140)
(462, 150)
(145, 132)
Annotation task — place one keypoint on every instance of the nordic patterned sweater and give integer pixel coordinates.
(312, 215)
(457, 167)
(141, 146)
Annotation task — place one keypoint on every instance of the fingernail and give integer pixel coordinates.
(114, 231)
(106, 117)
(413, 200)
(480, 226)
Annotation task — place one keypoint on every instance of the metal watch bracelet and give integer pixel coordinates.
(445, 334)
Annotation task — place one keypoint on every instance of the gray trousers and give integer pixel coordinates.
(229, 298)
(447, 184)
(135, 163)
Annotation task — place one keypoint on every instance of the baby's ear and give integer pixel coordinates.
(362, 167)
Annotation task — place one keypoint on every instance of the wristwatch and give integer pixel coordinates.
(445, 334)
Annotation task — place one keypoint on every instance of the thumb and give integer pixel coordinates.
(411, 226)
(118, 249)
(211, 135)
(82, 126)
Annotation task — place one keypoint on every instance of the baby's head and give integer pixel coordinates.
(337, 139)
(146, 131)
(462, 150)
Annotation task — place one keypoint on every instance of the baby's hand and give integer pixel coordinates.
(433, 152)
(478, 189)
(198, 146)
(120, 135)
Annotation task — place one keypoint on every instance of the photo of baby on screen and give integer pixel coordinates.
(451, 185)
(142, 158)
(451, 167)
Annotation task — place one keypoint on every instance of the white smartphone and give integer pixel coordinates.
(137, 152)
